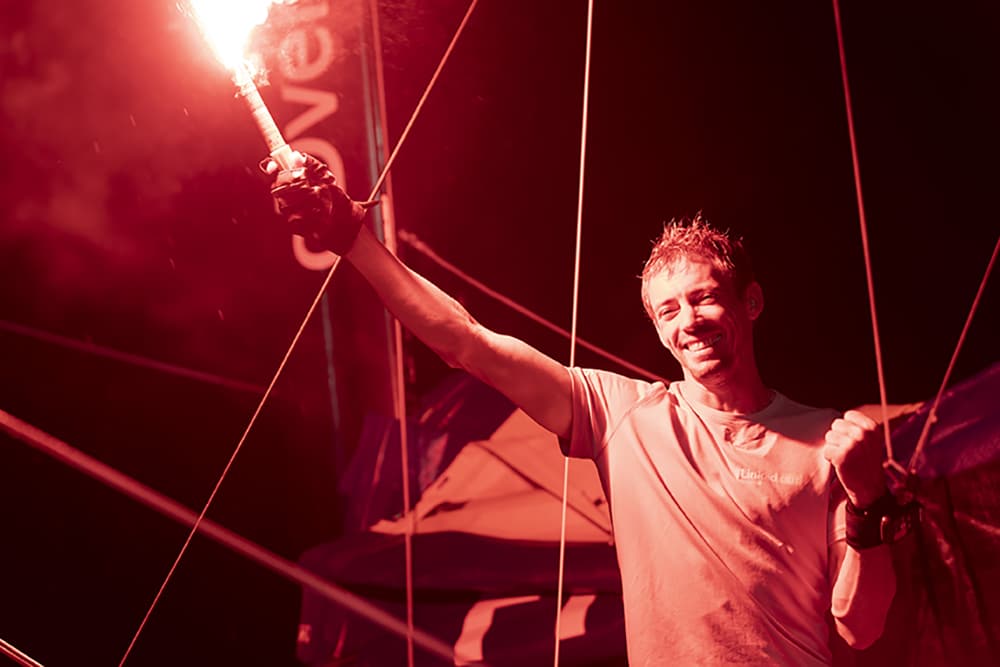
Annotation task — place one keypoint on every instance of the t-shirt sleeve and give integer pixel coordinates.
(599, 400)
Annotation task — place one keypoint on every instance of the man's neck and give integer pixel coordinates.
(729, 395)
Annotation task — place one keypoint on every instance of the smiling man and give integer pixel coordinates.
(728, 497)
(746, 524)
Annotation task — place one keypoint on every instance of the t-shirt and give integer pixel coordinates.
(722, 522)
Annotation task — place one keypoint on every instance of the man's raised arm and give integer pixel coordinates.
(319, 210)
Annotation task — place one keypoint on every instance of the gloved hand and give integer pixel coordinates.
(318, 209)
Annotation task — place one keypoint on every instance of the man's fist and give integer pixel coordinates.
(318, 209)
(854, 448)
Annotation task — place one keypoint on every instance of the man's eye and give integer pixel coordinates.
(666, 313)
(707, 297)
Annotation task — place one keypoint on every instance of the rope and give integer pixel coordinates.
(229, 464)
(177, 512)
(423, 98)
(17, 656)
(399, 384)
(574, 318)
(932, 414)
(129, 358)
(291, 348)
(399, 401)
(864, 236)
(415, 243)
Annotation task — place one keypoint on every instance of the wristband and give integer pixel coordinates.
(865, 527)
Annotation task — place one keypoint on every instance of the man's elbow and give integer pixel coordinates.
(461, 345)
(859, 638)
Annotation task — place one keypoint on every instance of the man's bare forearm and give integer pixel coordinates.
(424, 309)
(862, 594)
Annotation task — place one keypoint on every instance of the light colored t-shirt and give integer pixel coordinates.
(721, 522)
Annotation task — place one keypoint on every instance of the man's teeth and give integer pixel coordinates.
(702, 344)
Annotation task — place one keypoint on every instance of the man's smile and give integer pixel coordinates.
(702, 343)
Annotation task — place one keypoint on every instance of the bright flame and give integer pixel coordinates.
(227, 24)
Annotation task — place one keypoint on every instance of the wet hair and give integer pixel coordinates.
(694, 238)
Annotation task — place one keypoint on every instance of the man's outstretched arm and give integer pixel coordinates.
(319, 210)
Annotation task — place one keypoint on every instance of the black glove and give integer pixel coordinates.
(318, 209)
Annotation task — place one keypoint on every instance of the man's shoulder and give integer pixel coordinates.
(619, 394)
(609, 381)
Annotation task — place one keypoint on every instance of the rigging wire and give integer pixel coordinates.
(932, 413)
(171, 509)
(574, 317)
(295, 339)
(129, 358)
(890, 461)
(229, 464)
(423, 98)
(409, 515)
(17, 656)
(414, 241)
(398, 375)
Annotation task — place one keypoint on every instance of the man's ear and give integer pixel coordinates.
(754, 300)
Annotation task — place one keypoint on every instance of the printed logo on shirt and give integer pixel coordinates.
(759, 477)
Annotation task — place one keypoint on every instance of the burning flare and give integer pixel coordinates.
(227, 26)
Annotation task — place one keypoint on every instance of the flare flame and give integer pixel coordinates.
(227, 26)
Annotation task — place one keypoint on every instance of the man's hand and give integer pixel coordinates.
(316, 207)
(854, 448)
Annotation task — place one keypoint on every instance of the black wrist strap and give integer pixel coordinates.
(864, 526)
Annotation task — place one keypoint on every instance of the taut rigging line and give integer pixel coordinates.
(281, 366)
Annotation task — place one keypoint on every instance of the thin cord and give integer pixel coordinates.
(423, 98)
(175, 511)
(17, 656)
(417, 244)
(129, 358)
(229, 463)
(932, 414)
(576, 303)
(864, 236)
(399, 398)
(291, 347)
(399, 384)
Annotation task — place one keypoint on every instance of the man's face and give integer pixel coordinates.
(701, 319)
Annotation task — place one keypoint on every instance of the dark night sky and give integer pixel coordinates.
(134, 218)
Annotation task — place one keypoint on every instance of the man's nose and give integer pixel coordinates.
(689, 317)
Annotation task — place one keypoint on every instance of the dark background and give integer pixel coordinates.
(134, 218)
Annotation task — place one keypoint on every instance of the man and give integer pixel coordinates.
(733, 541)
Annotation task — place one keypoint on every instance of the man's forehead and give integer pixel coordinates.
(683, 275)
(688, 269)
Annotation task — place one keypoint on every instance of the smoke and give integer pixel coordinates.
(100, 131)
(130, 193)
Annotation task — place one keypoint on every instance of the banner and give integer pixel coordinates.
(327, 97)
